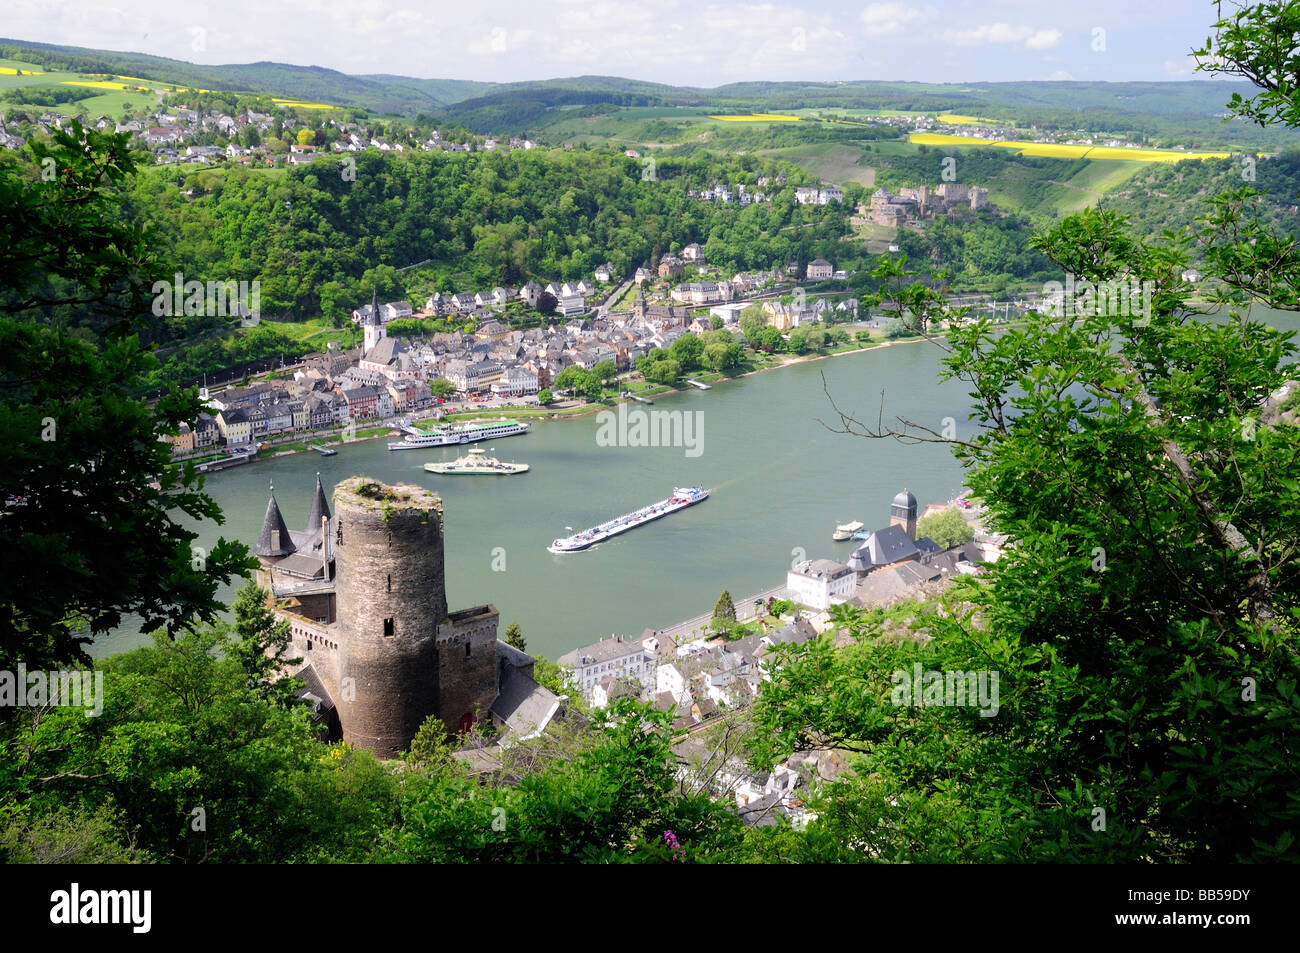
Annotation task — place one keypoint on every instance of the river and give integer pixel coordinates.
(779, 480)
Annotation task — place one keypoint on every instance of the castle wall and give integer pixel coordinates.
(467, 666)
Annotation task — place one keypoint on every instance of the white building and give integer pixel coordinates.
(820, 583)
(613, 656)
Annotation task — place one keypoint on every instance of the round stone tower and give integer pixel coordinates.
(391, 598)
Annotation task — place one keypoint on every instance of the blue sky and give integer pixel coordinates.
(683, 42)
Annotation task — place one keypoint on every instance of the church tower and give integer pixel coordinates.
(902, 512)
(373, 324)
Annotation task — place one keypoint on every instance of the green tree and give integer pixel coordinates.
(262, 646)
(515, 637)
(665, 371)
(686, 350)
(431, 745)
(441, 387)
(80, 451)
(605, 371)
(948, 528)
(1119, 452)
(544, 396)
(724, 609)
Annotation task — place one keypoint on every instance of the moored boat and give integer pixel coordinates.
(417, 439)
(846, 530)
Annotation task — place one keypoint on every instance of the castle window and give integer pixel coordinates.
(309, 645)
(338, 535)
(466, 650)
(388, 628)
(390, 582)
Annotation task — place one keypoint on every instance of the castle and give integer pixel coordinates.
(364, 594)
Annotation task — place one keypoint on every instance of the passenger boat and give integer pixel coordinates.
(418, 439)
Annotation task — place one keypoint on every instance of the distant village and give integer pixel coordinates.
(180, 135)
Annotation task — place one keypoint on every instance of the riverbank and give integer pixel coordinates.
(335, 438)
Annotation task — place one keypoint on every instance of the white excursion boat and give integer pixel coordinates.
(682, 497)
(417, 439)
(477, 461)
(846, 530)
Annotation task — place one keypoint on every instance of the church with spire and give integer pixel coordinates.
(362, 587)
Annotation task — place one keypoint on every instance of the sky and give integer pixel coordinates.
(680, 42)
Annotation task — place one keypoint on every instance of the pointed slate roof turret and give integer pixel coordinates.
(274, 539)
(319, 507)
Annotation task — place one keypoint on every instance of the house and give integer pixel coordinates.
(701, 292)
(819, 269)
(516, 382)
(183, 440)
(614, 656)
(820, 583)
(206, 431)
(569, 305)
(609, 688)
(778, 315)
(670, 266)
(362, 402)
(605, 272)
(642, 275)
(693, 252)
(669, 680)
(235, 427)
(893, 584)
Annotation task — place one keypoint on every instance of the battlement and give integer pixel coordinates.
(365, 494)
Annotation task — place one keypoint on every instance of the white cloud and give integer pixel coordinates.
(885, 19)
(1032, 39)
(1043, 40)
(1061, 75)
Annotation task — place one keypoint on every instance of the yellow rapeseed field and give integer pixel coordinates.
(1054, 150)
(758, 117)
(95, 84)
(961, 120)
(13, 71)
(297, 105)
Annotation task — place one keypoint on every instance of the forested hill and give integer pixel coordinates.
(390, 95)
(479, 219)
(1172, 196)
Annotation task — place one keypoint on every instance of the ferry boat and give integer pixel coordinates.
(681, 498)
(477, 461)
(846, 530)
(417, 439)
